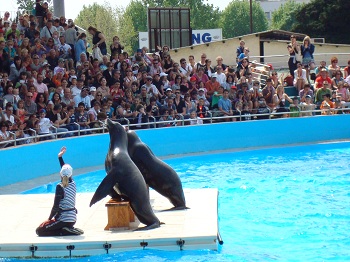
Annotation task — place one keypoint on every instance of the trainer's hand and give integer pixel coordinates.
(44, 223)
(63, 150)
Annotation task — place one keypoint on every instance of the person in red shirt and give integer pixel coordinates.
(320, 79)
(212, 86)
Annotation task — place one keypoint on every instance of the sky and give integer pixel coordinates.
(75, 6)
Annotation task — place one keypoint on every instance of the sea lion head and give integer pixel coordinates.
(117, 134)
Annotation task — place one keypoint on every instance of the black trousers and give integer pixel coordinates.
(54, 228)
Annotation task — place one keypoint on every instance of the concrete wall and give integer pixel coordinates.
(227, 49)
(36, 160)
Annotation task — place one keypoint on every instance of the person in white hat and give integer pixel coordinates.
(63, 214)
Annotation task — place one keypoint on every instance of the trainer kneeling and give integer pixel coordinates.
(63, 215)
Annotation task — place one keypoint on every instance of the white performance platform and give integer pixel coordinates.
(194, 228)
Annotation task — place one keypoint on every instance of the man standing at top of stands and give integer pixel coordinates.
(40, 11)
(240, 49)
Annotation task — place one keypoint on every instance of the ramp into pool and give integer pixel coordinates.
(194, 228)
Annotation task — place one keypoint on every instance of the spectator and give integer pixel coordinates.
(212, 86)
(5, 135)
(347, 70)
(57, 121)
(10, 49)
(294, 108)
(29, 106)
(12, 31)
(327, 105)
(307, 53)
(268, 92)
(240, 50)
(293, 50)
(9, 97)
(141, 117)
(44, 125)
(84, 98)
(40, 102)
(194, 119)
(279, 100)
(321, 92)
(41, 87)
(185, 69)
(306, 91)
(208, 69)
(219, 62)
(337, 79)
(103, 88)
(66, 52)
(47, 31)
(82, 118)
(225, 106)
(321, 79)
(15, 69)
(80, 47)
(307, 105)
(8, 115)
(116, 47)
(333, 67)
(221, 77)
(98, 39)
(4, 59)
(263, 110)
(40, 12)
(92, 113)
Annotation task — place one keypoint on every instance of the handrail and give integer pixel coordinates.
(36, 137)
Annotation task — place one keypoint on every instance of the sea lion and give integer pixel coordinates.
(123, 175)
(157, 174)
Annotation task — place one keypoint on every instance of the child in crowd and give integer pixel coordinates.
(44, 125)
(307, 106)
(194, 119)
(82, 118)
(21, 112)
(294, 108)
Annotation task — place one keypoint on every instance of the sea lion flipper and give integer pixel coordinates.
(104, 189)
(152, 226)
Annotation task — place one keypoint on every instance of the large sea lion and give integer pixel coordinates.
(157, 174)
(124, 175)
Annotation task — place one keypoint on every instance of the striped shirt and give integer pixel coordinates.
(67, 203)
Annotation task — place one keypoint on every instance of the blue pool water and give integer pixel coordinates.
(289, 204)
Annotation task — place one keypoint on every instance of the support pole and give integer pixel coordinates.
(58, 8)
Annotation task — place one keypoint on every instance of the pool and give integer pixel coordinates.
(275, 204)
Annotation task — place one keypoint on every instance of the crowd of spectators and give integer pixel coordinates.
(50, 83)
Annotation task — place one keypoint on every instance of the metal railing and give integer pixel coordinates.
(179, 120)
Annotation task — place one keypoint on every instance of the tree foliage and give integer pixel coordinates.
(27, 6)
(235, 19)
(326, 19)
(285, 16)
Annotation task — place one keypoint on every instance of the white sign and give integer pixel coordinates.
(198, 37)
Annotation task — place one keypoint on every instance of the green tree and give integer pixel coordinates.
(326, 19)
(284, 17)
(128, 28)
(235, 19)
(27, 6)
